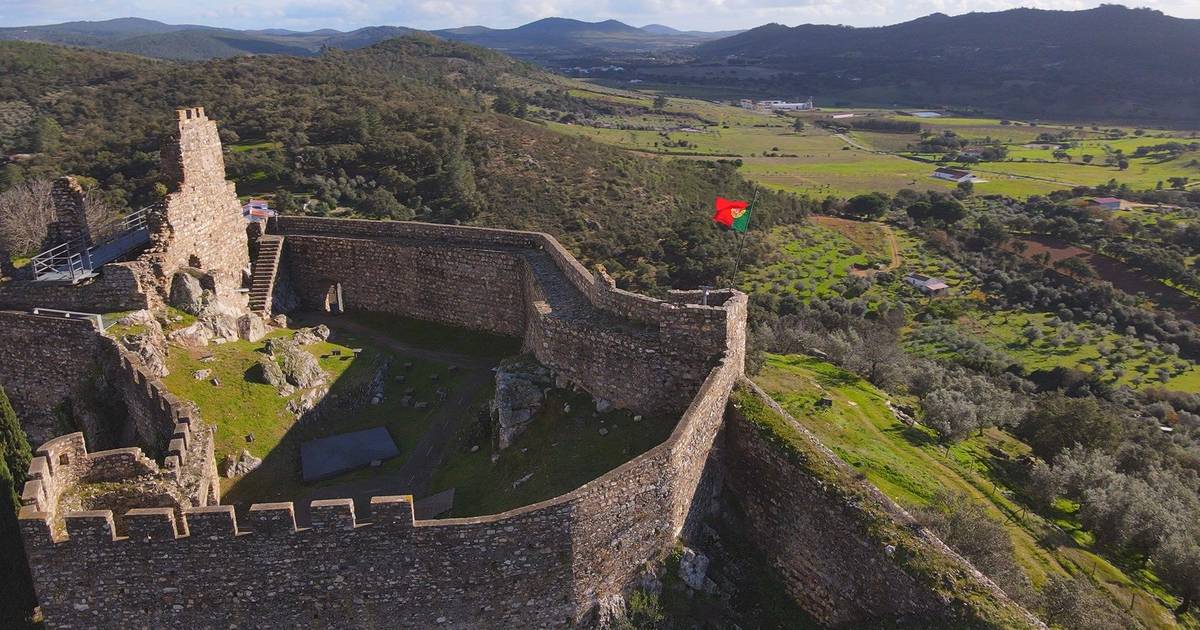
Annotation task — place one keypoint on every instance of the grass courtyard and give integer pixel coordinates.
(239, 407)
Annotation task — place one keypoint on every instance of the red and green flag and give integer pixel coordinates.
(733, 214)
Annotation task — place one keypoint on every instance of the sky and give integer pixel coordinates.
(708, 15)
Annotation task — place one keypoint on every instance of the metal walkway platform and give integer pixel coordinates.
(74, 262)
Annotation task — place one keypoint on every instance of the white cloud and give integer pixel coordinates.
(429, 14)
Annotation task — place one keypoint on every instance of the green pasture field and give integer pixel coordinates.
(817, 163)
(815, 261)
(1122, 360)
(908, 465)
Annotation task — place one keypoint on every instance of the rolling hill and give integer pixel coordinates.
(1105, 63)
(539, 41)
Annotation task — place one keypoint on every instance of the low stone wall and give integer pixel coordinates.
(847, 554)
(119, 287)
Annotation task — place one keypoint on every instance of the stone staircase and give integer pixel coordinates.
(567, 303)
(266, 266)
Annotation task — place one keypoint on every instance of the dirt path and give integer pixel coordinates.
(424, 456)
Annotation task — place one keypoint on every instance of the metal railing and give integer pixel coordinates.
(74, 260)
(96, 319)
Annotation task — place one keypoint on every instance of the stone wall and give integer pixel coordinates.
(641, 353)
(47, 363)
(847, 554)
(540, 566)
(122, 286)
(65, 369)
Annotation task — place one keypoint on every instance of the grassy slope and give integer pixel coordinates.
(907, 464)
(913, 557)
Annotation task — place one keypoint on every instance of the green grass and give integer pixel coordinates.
(238, 407)
(561, 451)
(242, 147)
(909, 465)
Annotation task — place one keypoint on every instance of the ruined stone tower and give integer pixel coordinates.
(200, 224)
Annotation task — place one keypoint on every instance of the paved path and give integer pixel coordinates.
(416, 473)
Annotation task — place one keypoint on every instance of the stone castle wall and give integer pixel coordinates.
(125, 286)
(544, 565)
(58, 367)
(47, 362)
(643, 354)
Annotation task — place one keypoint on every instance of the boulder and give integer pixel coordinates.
(279, 346)
(187, 294)
(693, 569)
(200, 375)
(267, 371)
(240, 465)
(315, 334)
(150, 345)
(280, 320)
(603, 405)
(301, 368)
(307, 402)
(251, 327)
(195, 335)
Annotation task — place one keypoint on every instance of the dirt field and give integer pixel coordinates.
(1116, 272)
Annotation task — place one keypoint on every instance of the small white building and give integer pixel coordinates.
(777, 106)
(928, 285)
(257, 210)
(1108, 203)
(955, 175)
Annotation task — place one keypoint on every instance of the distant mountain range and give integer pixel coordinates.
(1109, 62)
(540, 40)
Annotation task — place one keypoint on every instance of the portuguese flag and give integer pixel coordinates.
(733, 214)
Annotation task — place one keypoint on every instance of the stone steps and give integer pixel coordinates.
(567, 302)
(265, 268)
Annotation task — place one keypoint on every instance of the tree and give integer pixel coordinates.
(1058, 422)
(16, 598)
(966, 187)
(285, 201)
(1087, 158)
(1122, 163)
(947, 210)
(1177, 562)
(382, 204)
(797, 125)
(951, 414)
(965, 526)
(920, 211)
(47, 135)
(868, 206)
(660, 102)
(25, 211)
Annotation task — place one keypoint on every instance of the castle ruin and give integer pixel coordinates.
(156, 547)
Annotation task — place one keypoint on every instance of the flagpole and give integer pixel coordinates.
(741, 239)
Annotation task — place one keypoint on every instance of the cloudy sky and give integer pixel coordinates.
(431, 14)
